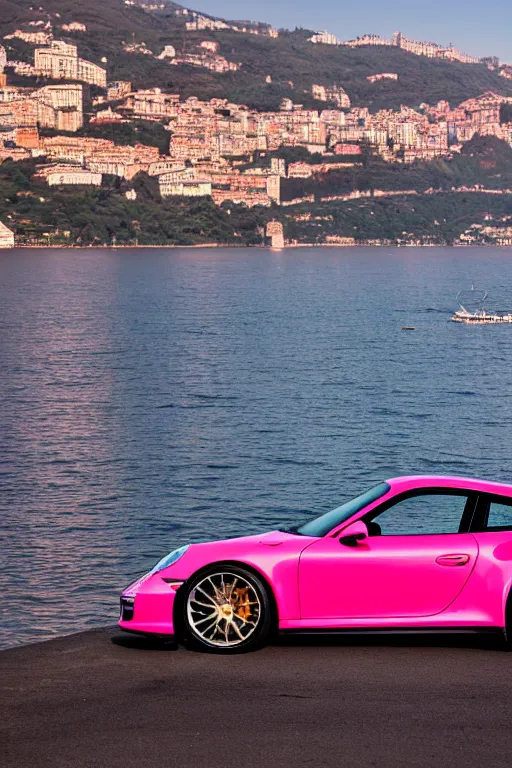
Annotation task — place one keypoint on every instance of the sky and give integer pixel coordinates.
(477, 27)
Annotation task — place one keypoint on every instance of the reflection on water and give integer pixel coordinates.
(150, 398)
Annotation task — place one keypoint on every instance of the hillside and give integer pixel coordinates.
(288, 59)
(145, 167)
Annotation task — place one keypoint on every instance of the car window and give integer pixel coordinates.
(500, 516)
(425, 513)
(320, 526)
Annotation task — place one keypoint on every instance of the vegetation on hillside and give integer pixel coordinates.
(440, 218)
(484, 160)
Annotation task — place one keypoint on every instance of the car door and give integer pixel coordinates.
(415, 563)
(492, 528)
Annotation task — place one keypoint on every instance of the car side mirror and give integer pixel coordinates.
(355, 533)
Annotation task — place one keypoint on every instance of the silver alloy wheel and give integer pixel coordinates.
(223, 609)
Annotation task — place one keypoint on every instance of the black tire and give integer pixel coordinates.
(508, 624)
(191, 611)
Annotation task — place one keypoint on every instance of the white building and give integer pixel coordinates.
(60, 61)
(74, 26)
(278, 166)
(73, 176)
(274, 188)
(274, 231)
(60, 106)
(210, 45)
(324, 38)
(185, 188)
(62, 96)
(169, 52)
(6, 237)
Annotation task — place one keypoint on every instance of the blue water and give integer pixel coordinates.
(154, 397)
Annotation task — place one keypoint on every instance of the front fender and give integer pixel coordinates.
(275, 561)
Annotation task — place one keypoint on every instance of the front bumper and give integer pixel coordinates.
(147, 607)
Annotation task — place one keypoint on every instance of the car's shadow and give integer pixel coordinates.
(489, 642)
(144, 643)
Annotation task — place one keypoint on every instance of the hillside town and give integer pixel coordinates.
(213, 144)
(418, 47)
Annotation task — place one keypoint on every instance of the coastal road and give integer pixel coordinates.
(107, 700)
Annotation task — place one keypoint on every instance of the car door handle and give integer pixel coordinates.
(452, 560)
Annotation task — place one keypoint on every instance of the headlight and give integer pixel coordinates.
(169, 559)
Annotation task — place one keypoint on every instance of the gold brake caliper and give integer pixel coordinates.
(241, 603)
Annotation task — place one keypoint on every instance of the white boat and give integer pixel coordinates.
(480, 318)
(478, 314)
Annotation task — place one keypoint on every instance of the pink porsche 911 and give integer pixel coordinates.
(411, 554)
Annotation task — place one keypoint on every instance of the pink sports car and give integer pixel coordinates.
(415, 554)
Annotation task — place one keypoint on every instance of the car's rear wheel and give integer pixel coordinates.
(227, 609)
(508, 623)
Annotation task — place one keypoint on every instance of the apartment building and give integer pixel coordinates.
(324, 38)
(432, 50)
(200, 23)
(349, 149)
(118, 90)
(274, 188)
(57, 107)
(68, 96)
(106, 116)
(186, 188)
(364, 40)
(151, 104)
(74, 26)
(59, 61)
(91, 73)
(278, 167)
(61, 175)
(335, 93)
(382, 76)
(168, 52)
(61, 107)
(250, 198)
(418, 47)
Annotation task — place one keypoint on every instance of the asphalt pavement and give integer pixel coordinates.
(105, 699)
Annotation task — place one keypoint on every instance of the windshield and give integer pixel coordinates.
(321, 526)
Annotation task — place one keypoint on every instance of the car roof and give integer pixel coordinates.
(410, 482)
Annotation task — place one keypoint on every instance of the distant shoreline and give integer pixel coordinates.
(262, 247)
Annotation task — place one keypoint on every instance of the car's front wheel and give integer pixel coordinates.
(227, 609)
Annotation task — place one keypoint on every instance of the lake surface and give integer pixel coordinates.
(153, 397)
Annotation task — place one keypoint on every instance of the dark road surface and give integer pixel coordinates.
(87, 701)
